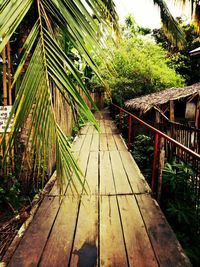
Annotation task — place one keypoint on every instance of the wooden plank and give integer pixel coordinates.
(119, 142)
(87, 143)
(103, 142)
(120, 178)
(58, 248)
(136, 179)
(84, 130)
(95, 143)
(112, 248)
(30, 249)
(102, 127)
(90, 129)
(161, 234)
(107, 126)
(55, 191)
(113, 128)
(92, 173)
(78, 142)
(85, 249)
(106, 176)
(139, 249)
(111, 142)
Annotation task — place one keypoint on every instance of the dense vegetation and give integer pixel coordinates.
(140, 67)
(185, 64)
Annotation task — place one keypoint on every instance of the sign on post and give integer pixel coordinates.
(4, 115)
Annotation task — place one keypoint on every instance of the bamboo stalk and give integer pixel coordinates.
(9, 74)
(5, 94)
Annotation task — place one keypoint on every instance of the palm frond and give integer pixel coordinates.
(49, 65)
(170, 25)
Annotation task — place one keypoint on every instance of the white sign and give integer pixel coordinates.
(4, 115)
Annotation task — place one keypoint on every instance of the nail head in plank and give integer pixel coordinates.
(112, 248)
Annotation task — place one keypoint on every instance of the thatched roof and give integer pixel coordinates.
(145, 103)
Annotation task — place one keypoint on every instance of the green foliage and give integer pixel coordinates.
(139, 67)
(180, 59)
(179, 204)
(143, 153)
(9, 191)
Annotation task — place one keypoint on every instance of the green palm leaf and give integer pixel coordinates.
(49, 69)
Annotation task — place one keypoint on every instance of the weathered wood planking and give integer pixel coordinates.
(78, 142)
(139, 249)
(85, 248)
(112, 247)
(95, 143)
(136, 179)
(106, 176)
(117, 224)
(57, 251)
(111, 142)
(167, 248)
(103, 142)
(119, 142)
(30, 249)
(92, 173)
(84, 130)
(102, 127)
(120, 178)
(90, 129)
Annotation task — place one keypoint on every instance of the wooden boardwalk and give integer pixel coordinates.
(118, 224)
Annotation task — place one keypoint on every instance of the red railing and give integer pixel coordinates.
(157, 134)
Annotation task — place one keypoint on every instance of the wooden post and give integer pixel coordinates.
(129, 131)
(161, 166)
(5, 94)
(197, 114)
(171, 110)
(154, 162)
(120, 119)
(9, 74)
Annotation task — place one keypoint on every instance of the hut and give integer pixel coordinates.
(173, 104)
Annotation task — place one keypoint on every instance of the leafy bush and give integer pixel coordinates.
(179, 204)
(143, 153)
(139, 67)
(9, 191)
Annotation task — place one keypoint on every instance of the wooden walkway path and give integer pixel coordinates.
(118, 224)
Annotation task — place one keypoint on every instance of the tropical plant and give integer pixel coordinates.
(49, 69)
(139, 67)
(181, 60)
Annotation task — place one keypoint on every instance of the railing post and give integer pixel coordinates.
(129, 131)
(120, 119)
(154, 162)
(114, 112)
